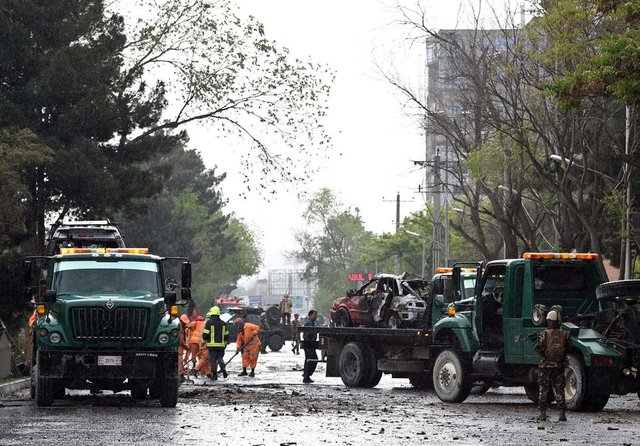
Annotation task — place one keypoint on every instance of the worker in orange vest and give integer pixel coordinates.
(249, 342)
(195, 338)
(183, 352)
(204, 366)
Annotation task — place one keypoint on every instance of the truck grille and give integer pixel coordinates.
(119, 324)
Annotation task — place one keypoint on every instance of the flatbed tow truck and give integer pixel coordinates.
(486, 341)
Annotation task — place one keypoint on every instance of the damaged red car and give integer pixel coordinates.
(386, 301)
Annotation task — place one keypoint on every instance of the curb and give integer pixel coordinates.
(14, 386)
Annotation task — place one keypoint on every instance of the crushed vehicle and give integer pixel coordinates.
(387, 300)
(487, 340)
(84, 234)
(104, 321)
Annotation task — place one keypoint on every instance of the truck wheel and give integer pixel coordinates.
(374, 374)
(618, 288)
(342, 318)
(595, 403)
(355, 366)
(276, 341)
(168, 388)
(138, 390)
(45, 387)
(575, 384)
(532, 391)
(451, 377)
(421, 381)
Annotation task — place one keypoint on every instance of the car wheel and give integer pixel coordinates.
(392, 320)
(342, 318)
(451, 377)
(276, 341)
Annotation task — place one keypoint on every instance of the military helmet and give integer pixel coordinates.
(553, 315)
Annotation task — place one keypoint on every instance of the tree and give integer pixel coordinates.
(331, 246)
(106, 95)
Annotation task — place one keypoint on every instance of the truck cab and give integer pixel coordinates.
(491, 343)
(105, 322)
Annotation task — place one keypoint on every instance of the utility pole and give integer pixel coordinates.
(397, 257)
(436, 211)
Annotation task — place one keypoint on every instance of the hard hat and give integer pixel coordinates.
(184, 318)
(214, 311)
(553, 316)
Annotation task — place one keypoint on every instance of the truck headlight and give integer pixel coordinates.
(539, 314)
(55, 338)
(163, 338)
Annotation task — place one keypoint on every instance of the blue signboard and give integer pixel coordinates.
(255, 300)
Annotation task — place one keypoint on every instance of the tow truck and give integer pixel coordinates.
(104, 321)
(486, 340)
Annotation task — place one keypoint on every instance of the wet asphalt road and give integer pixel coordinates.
(275, 408)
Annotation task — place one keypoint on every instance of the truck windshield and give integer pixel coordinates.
(96, 277)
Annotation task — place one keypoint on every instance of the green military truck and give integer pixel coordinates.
(104, 321)
(486, 341)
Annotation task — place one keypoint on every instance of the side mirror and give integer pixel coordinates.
(455, 278)
(185, 294)
(50, 296)
(186, 275)
(170, 298)
(439, 300)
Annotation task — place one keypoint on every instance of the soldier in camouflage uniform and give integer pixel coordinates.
(552, 345)
(264, 332)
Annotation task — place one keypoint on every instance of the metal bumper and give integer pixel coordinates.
(84, 364)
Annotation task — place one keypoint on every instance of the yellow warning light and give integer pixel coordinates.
(104, 250)
(451, 310)
(442, 269)
(560, 256)
(41, 309)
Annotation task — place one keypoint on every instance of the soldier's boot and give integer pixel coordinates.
(542, 415)
(563, 415)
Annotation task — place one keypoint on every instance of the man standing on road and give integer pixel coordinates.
(264, 332)
(285, 309)
(552, 344)
(295, 334)
(216, 335)
(249, 342)
(309, 345)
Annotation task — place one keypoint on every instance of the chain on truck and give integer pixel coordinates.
(104, 321)
(486, 340)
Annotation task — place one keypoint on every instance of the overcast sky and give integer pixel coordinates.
(374, 139)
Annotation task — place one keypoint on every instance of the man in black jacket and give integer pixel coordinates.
(309, 345)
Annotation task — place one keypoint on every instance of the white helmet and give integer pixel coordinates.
(553, 315)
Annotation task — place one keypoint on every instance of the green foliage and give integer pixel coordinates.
(331, 246)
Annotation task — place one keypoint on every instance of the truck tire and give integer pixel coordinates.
(138, 390)
(342, 318)
(575, 384)
(374, 374)
(618, 288)
(273, 315)
(451, 378)
(275, 341)
(168, 388)
(421, 381)
(45, 387)
(355, 366)
(533, 392)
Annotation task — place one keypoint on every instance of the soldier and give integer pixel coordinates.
(295, 334)
(285, 309)
(310, 344)
(552, 345)
(264, 332)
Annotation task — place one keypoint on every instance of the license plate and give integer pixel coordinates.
(110, 360)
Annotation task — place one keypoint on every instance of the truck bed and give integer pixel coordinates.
(397, 336)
